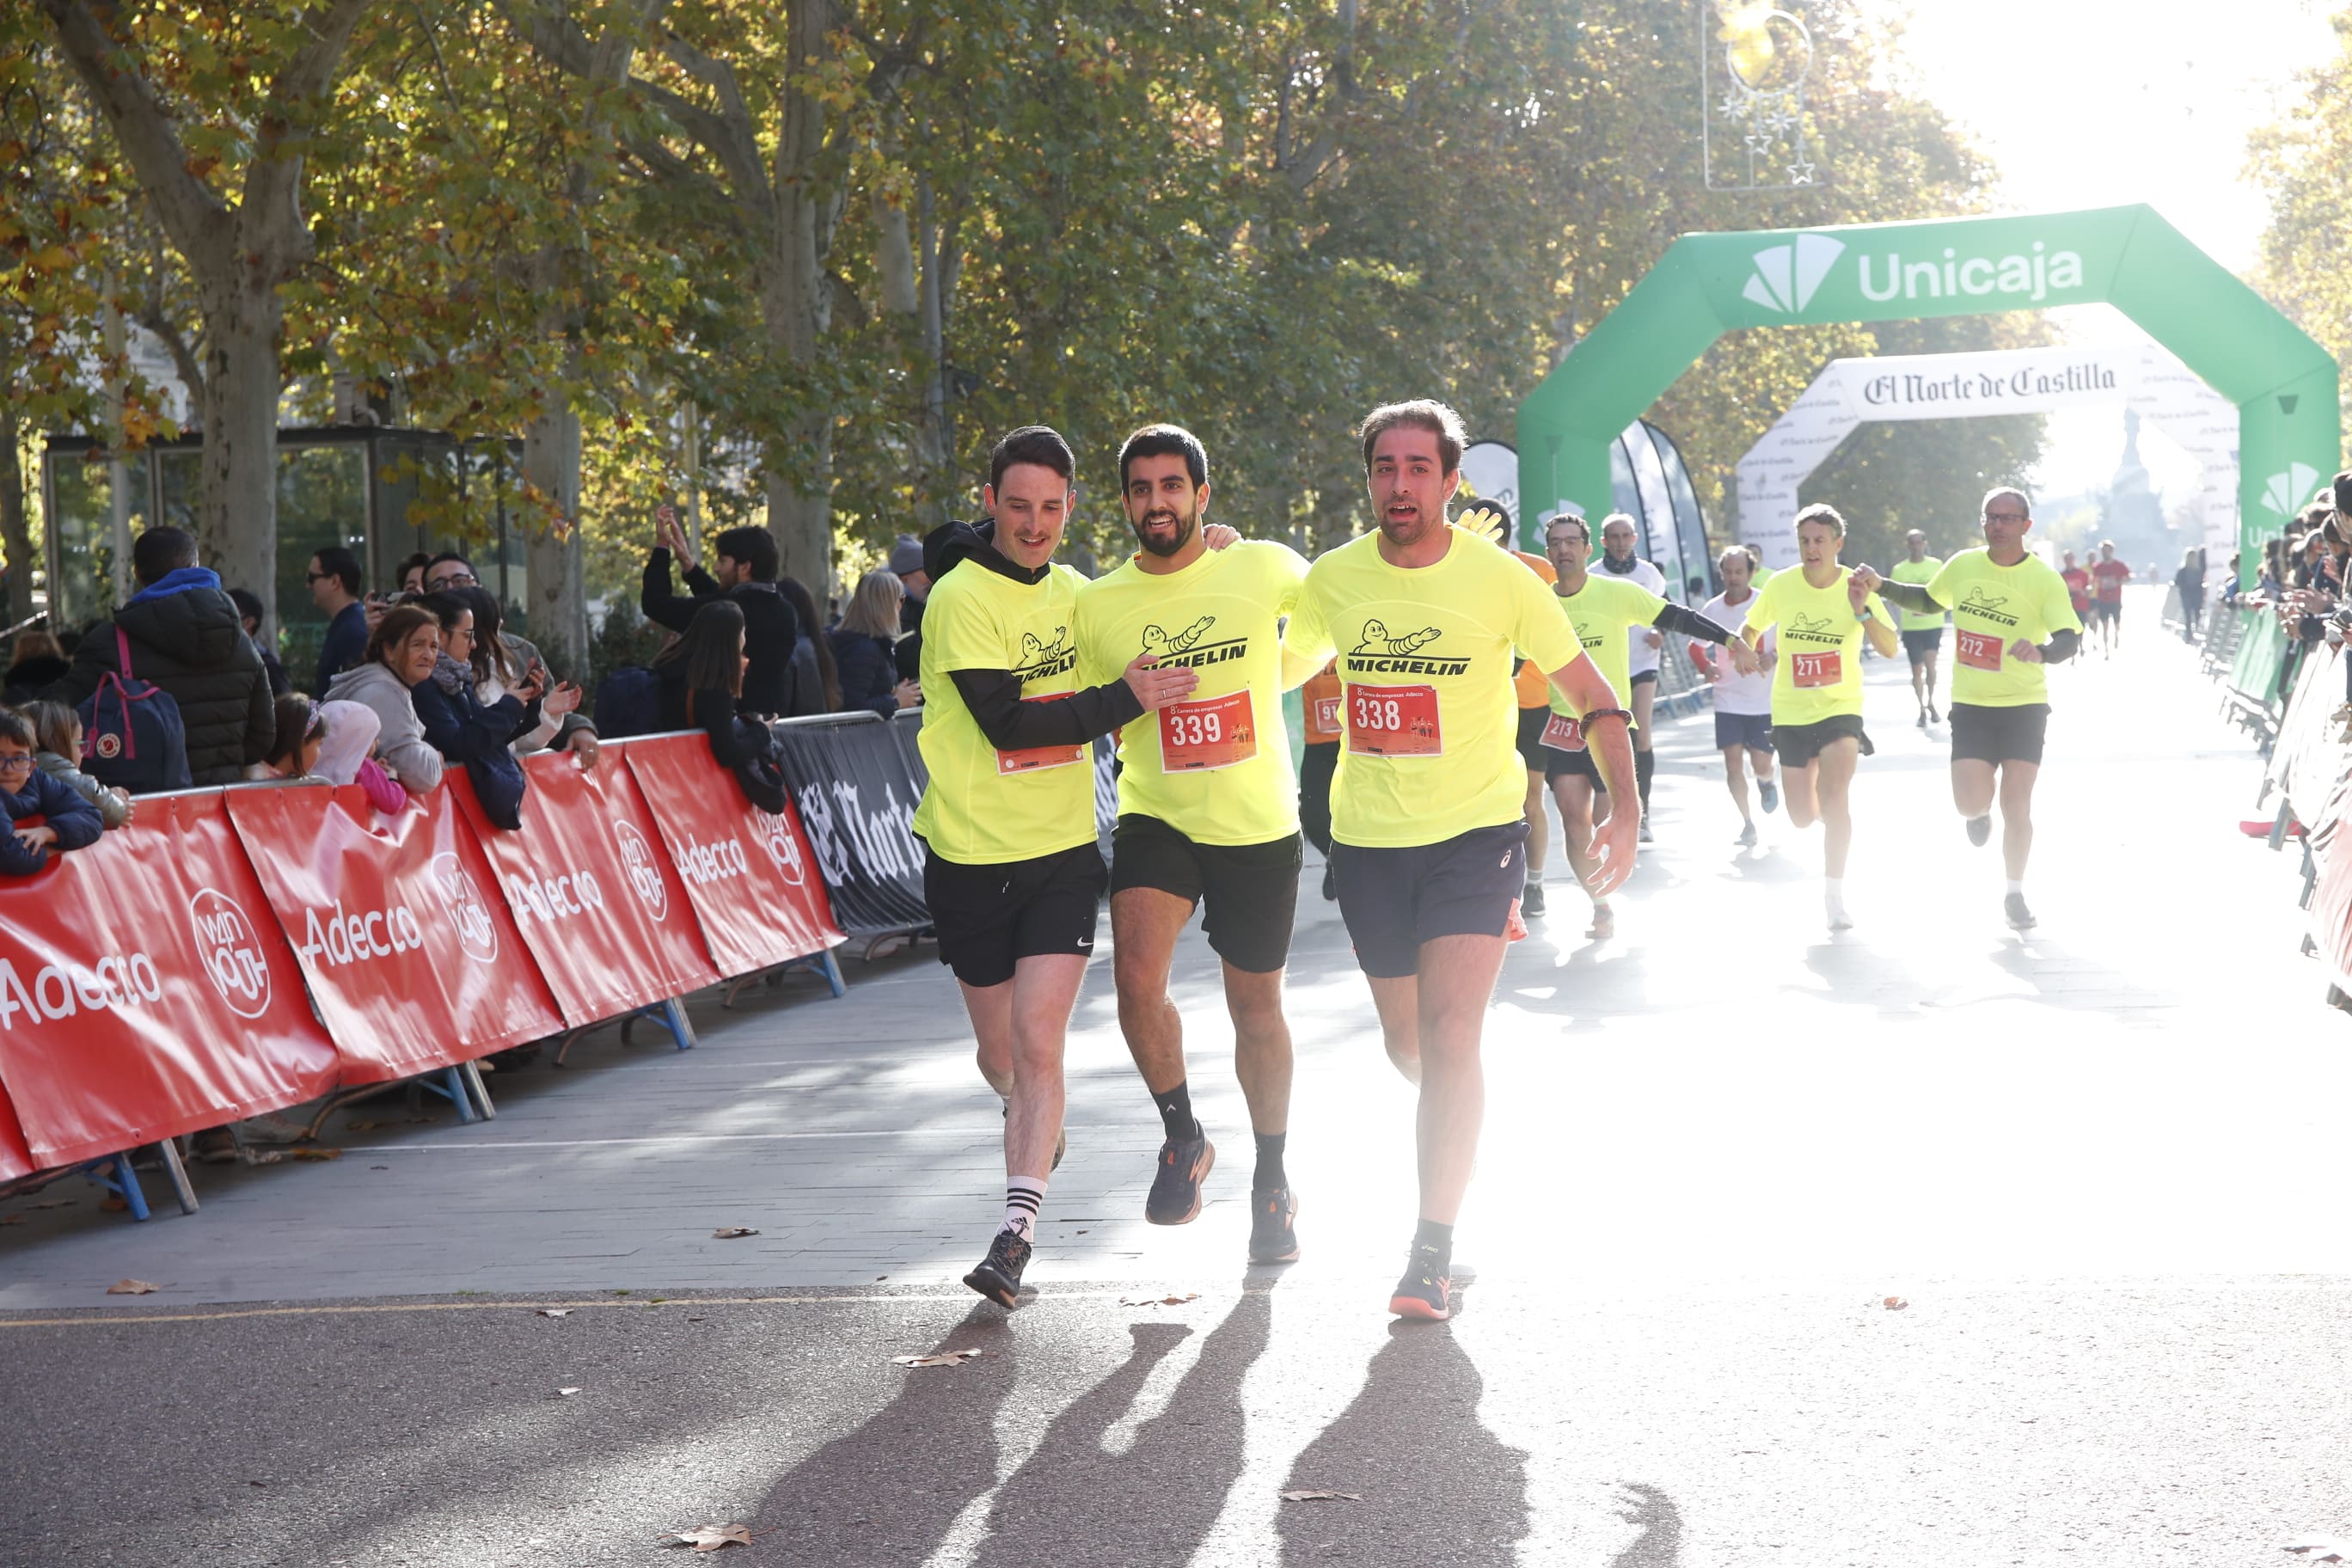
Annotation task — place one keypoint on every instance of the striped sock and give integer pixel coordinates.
(1022, 1197)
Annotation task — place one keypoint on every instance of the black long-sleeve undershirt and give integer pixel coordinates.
(1690, 623)
(1012, 725)
(1915, 597)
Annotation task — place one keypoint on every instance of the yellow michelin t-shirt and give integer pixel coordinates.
(1992, 607)
(1430, 720)
(1216, 766)
(1603, 611)
(1820, 673)
(1922, 570)
(983, 807)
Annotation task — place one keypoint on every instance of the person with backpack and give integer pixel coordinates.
(181, 635)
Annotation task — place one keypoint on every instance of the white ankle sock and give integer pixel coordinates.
(1022, 1195)
(2017, 886)
(1833, 894)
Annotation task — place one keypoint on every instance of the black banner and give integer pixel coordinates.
(856, 779)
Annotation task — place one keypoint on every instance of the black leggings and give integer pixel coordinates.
(1314, 771)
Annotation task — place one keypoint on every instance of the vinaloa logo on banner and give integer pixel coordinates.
(782, 846)
(644, 872)
(60, 991)
(231, 952)
(462, 902)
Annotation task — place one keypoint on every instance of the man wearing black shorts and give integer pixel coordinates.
(1428, 822)
(1010, 871)
(1207, 816)
(2012, 619)
(1923, 635)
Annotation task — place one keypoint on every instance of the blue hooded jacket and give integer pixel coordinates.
(76, 820)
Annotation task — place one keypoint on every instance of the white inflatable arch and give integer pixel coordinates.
(1850, 392)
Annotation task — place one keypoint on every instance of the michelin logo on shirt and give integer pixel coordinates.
(1041, 660)
(1987, 606)
(1378, 653)
(1191, 648)
(1813, 628)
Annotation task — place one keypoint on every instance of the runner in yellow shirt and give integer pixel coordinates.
(1429, 806)
(1010, 871)
(1208, 818)
(1824, 612)
(1923, 635)
(1603, 608)
(2013, 616)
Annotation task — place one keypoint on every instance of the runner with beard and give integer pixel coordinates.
(1429, 816)
(1642, 643)
(1207, 818)
(1011, 872)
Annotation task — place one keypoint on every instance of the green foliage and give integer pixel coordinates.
(2304, 161)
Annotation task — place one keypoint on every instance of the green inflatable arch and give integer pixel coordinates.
(1709, 284)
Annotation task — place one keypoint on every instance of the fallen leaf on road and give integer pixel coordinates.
(555, 1312)
(567, 1393)
(131, 1288)
(114, 1206)
(306, 1151)
(709, 1537)
(12, 1219)
(944, 1358)
(362, 1126)
(730, 1232)
(1307, 1494)
(56, 1202)
(1158, 1301)
(1894, 1303)
(2320, 1548)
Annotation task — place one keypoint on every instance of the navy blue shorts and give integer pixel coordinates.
(1753, 731)
(1393, 899)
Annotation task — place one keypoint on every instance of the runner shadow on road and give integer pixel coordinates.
(889, 1492)
(1077, 1501)
(1660, 1545)
(1433, 1481)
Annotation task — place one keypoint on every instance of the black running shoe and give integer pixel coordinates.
(1934, 717)
(998, 1278)
(1980, 829)
(1426, 1291)
(2019, 916)
(1272, 1237)
(1176, 1186)
(1531, 899)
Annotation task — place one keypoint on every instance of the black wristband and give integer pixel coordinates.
(1586, 722)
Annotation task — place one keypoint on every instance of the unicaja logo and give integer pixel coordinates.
(2281, 493)
(231, 951)
(1788, 276)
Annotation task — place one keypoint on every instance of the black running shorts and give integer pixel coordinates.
(990, 917)
(1922, 644)
(1247, 892)
(1799, 744)
(1576, 764)
(1531, 727)
(1998, 734)
(1395, 899)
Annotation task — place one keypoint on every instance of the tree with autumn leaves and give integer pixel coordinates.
(801, 262)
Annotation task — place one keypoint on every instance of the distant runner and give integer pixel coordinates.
(1011, 872)
(1618, 561)
(1601, 608)
(2078, 586)
(1207, 817)
(1319, 701)
(1823, 612)
(1923, 635)
(1429, 806)
(2012, 619)
(1743, 703)
(2107, 600)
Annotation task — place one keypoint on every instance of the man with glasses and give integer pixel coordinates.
(2012, 615)
(449, 570)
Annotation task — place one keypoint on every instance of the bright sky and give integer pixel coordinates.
(2092, 103)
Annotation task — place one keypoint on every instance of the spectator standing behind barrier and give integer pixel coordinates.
(863, 646)
(402, 654)
(187, 639)
(816, 680)
(463, 728)
(747, 577)
(249, 615)
(411, 573)
(702, 676)
(56, 731)
(502, 662)
(333, 579)
(35, 661)
(906, 565)
(70, 821)
(301, 737)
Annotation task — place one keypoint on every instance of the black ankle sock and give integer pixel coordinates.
(1269, 1173)
(1176, 1112)
(1431, 1237)
(1645, 764)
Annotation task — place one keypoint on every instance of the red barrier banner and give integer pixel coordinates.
(412, 958)
(601, 907)
(15, 1160)
(749, 875)
(146, 991)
